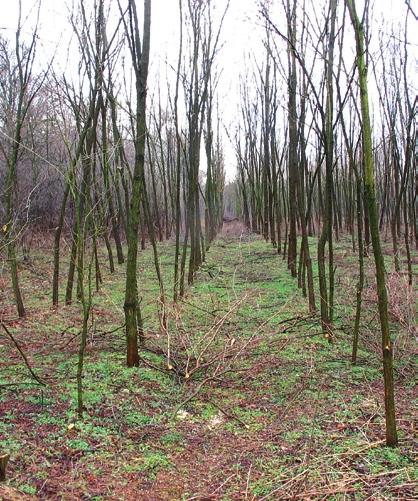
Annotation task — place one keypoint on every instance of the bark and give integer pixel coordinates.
(293, 142)
(370, 194)
(140, 61)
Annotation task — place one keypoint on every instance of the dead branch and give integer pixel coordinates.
(9, 334)
(227, 414)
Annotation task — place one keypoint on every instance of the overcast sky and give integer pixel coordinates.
(242, 34)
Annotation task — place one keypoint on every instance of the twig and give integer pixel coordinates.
(7, 385)
(227, 414)
(212, 494)
(22, 354)
(191, 396)
(104, 333)
(248, 481)
(155, 367)
(287, 482)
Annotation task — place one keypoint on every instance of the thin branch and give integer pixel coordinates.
(9, 334)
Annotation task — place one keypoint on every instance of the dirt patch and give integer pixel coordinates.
(234, 229)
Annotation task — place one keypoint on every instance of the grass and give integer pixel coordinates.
(290, 413)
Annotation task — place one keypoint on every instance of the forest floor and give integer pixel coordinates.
(255, 403)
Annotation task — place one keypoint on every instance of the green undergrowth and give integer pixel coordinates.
(291, 405)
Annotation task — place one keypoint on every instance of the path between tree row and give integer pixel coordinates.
(265, 408)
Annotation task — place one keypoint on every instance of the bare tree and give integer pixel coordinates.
(20, 86)
(370, 192)
(140, 60)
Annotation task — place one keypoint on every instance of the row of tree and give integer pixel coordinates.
(86, 156)
(121, 163)
(324, 170)
(91, 158)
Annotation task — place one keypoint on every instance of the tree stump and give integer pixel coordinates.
(4, 458)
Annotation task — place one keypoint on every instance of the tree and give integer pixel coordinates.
(327, 297)
(19, 86)
(370, 196)
(293, 139)
(140, 61)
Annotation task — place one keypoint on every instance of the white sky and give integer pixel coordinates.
(242, 34)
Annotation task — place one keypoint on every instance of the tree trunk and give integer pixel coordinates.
(370, 193)
(140, 61)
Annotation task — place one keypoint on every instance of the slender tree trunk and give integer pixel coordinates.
(293, 141)
(57, 239)
(370, 192)
(178, 164)
(140, 61)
